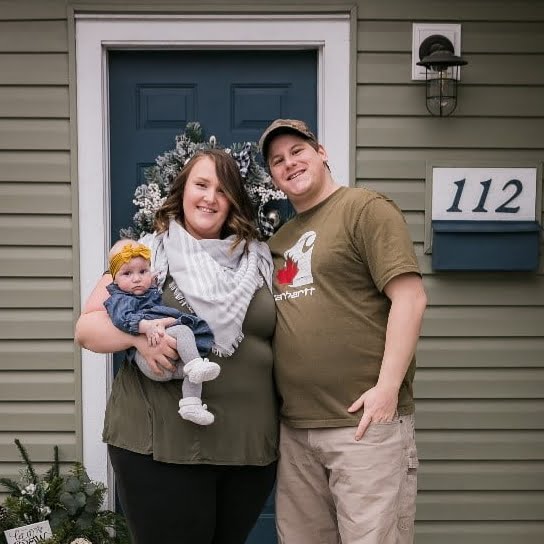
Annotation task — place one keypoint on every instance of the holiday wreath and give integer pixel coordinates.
(271, 205)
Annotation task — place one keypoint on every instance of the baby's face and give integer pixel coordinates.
(135, 276)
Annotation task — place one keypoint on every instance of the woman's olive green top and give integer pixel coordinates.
(142, 414)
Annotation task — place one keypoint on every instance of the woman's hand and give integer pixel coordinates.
(160, 356)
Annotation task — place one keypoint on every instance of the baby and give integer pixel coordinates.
(135, 307)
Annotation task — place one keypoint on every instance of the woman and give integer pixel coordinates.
(178, 482)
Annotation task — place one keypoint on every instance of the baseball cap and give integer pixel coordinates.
(282, 126)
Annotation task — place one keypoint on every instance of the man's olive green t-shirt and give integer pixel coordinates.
(142, 414)
(331, 264)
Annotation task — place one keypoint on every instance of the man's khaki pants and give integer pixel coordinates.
(334, 490)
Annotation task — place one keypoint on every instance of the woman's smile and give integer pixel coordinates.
(205, 205)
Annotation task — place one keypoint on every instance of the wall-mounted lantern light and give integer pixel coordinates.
(441, 74)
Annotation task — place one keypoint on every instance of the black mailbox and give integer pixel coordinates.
(485, 245)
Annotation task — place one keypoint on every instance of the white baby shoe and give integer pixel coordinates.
(201, 370)
(193, 410)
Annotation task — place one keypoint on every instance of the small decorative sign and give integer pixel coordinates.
(484, 194)
(29, 534)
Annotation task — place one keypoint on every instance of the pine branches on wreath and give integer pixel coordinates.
(149, 196)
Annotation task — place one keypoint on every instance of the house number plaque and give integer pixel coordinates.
(484, 194)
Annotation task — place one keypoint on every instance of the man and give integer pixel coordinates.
(350, 303)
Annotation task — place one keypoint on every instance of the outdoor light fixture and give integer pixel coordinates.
(436, 53)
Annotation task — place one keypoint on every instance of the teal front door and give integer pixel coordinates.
(233, 94)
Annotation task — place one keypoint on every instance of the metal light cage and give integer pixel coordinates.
(441, 74)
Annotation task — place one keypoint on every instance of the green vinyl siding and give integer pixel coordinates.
(34, 354)
(39, 386)
(46, 36)
(408, 164)
(34, 102)
(33, 69)
(35, 197)
(26, 134)
(34, 166)
(480, 383)
(474, 101)
(471, 133)
(47, 293)
(456, 11)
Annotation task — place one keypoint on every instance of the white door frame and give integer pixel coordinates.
(95, 34)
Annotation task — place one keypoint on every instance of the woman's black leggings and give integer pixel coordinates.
(189, 504)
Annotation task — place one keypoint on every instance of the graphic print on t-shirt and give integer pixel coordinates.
(297, 270)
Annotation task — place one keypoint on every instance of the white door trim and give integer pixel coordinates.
(95, 34)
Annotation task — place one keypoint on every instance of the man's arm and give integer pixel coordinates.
(408, 302)
(95, 332)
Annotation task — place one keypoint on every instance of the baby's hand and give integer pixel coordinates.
(154, 329)
(155, 334)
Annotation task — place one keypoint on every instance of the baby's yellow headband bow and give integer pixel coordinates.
(129, 251)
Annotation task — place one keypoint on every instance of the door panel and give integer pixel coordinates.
(233, 94)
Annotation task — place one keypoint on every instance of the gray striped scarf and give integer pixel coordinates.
(216, 282)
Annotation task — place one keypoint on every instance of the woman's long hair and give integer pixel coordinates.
(241, 218)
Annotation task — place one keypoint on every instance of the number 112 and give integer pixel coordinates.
(486, 185)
